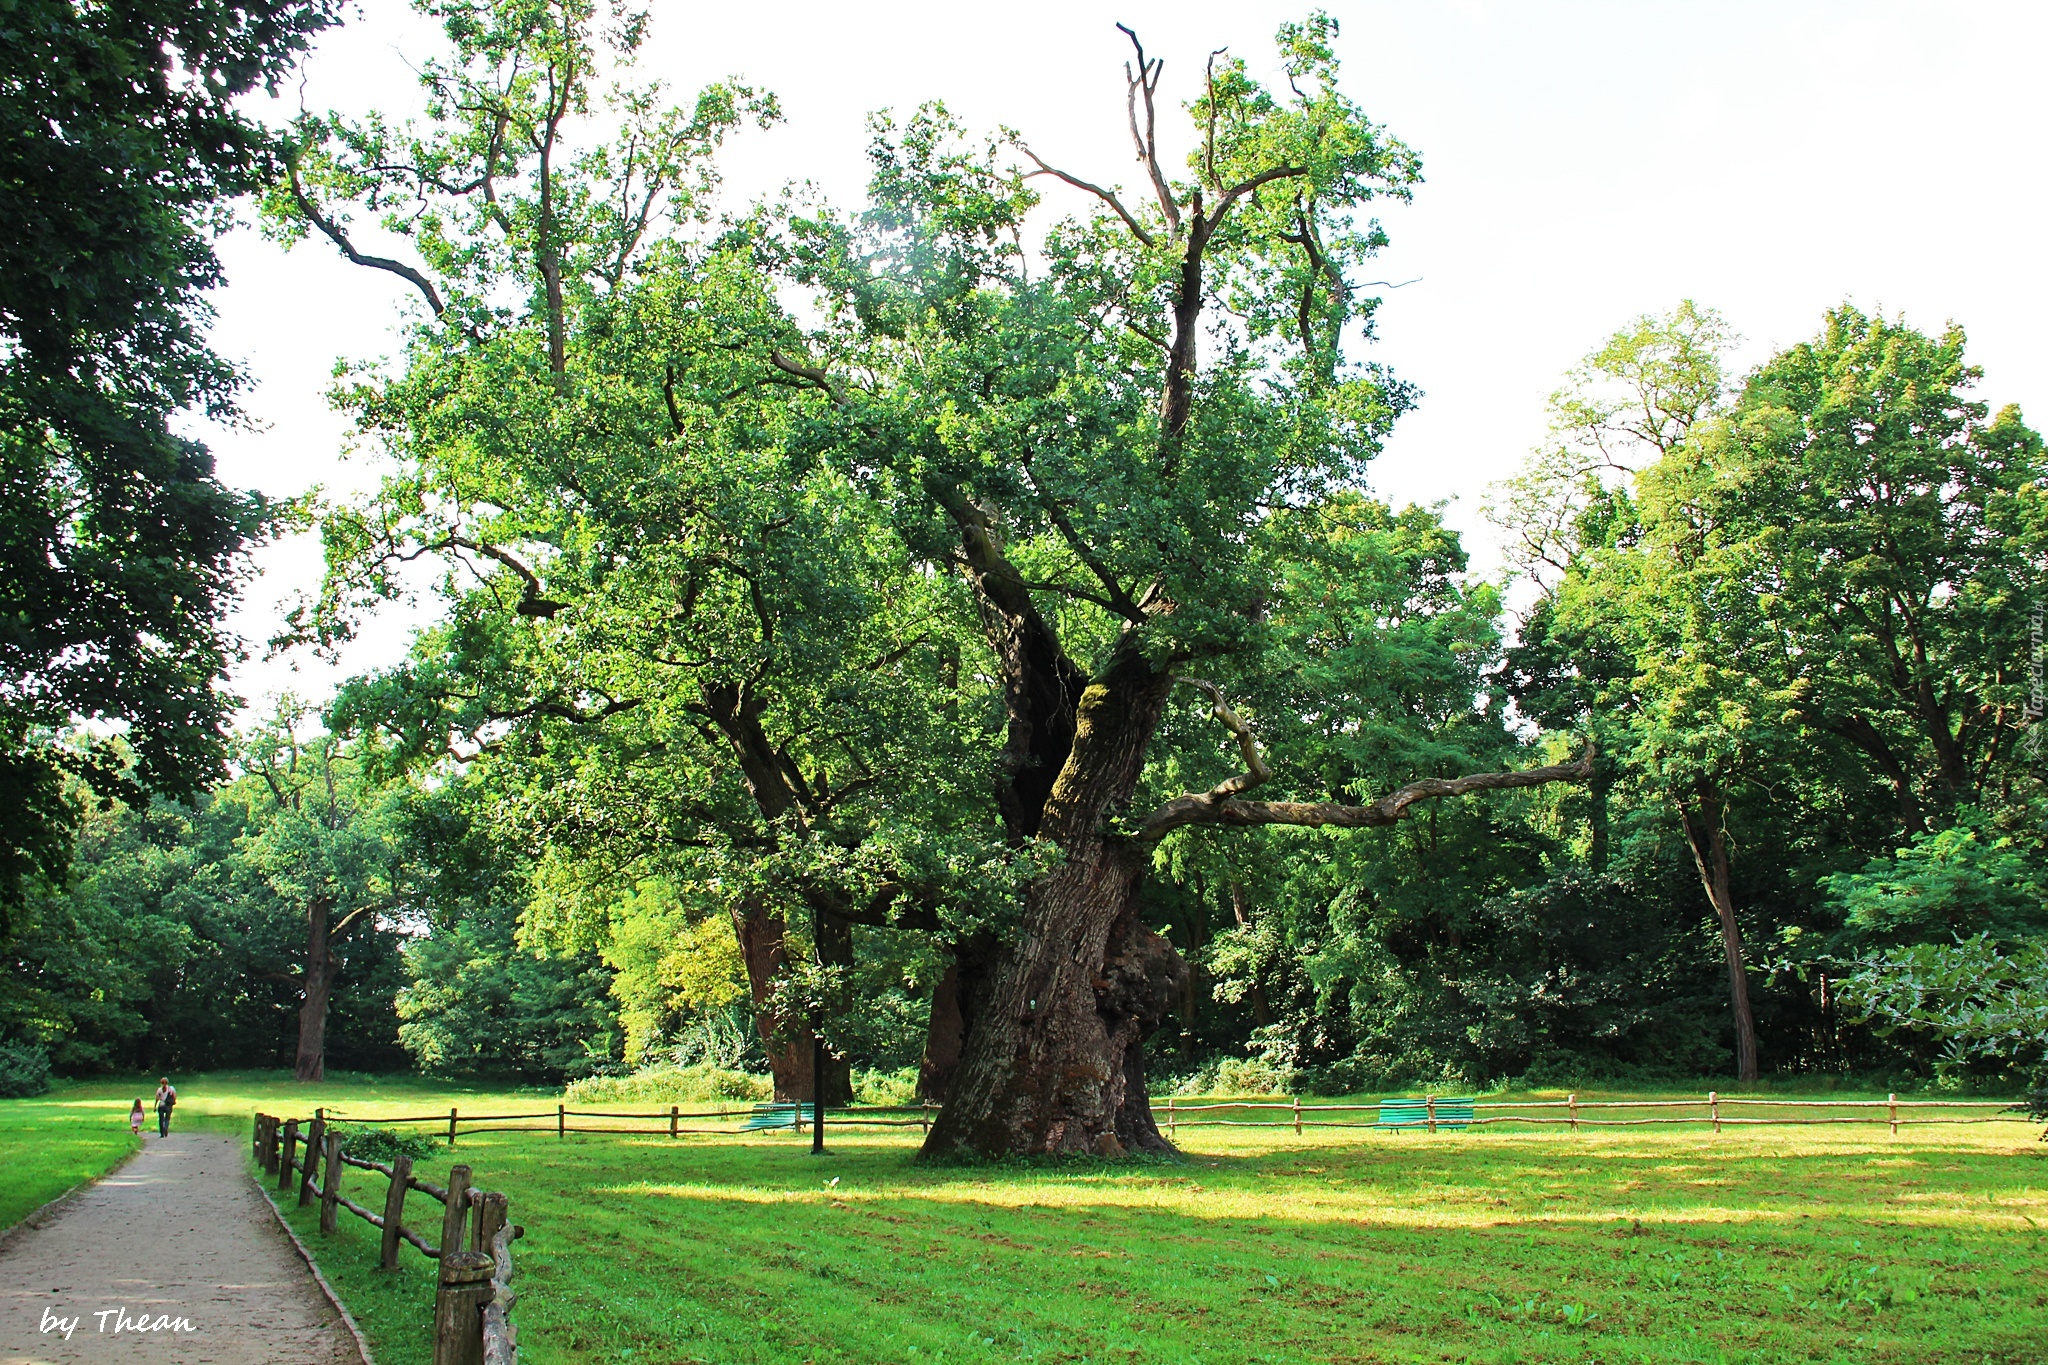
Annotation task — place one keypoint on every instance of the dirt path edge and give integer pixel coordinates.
(34, 1219)
(347, 1318)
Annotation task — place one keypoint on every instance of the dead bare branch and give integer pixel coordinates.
(1106, 196)
(1146, 83)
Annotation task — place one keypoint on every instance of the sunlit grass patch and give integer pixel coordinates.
(47, 1149)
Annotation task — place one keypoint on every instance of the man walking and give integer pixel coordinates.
(166, 1100)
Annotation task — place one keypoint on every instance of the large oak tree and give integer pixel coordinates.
(877, 621)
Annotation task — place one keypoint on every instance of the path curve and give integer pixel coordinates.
(180, 1232)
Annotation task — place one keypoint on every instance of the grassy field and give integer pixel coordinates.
(1764, 1245)
(46, 1149)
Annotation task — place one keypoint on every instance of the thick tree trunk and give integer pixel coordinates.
(763, 937)
(762, 933)
(1599, 786)
(1709, 845)
(318, 983)
(954, 1000)
(1054, 1060)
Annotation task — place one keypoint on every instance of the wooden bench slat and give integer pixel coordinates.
(778, 1116)
(1414, 1113)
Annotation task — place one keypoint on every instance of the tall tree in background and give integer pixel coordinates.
(1891, 531)
(322, 845)
(1812, 591)
(118, 547)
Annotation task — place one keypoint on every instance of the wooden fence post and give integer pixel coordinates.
(315, 1136)
(284, 1161)
(1297, 1114)
(1429, 1107)
(458, 1313)
(455, 1219)
(1170, 1125)
(394, 1212)
(330, 1188)
(561, 1120)
(256, 1139)
(464, 1292)
(492, 1213)
(451, 1125)
(673, 1111)
(1714, 1108)
(1573, 1100)
(1892, 1109)
(268, 1156)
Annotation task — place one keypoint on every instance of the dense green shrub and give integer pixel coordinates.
(667, 1083)
(384, 1144)
(24, 1070)
(885, 1087)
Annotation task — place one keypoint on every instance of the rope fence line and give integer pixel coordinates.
(473, 1288)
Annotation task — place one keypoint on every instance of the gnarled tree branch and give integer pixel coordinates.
(1208, 809)
(334, 233)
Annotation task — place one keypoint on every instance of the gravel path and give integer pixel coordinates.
(179, 1242)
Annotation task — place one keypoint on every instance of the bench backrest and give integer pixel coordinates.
(1414, 1113)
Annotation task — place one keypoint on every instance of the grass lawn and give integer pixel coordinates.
(46, 1149)
(1759, 1245)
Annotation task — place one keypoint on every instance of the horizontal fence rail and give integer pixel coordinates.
(1431, 1112)
(473, 1294)
(751, 1118)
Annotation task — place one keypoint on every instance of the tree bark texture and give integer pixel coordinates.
(1707, 838)
(1054, 1061)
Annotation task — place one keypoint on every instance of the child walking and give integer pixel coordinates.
(135, 1119)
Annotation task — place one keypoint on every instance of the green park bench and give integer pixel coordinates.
(777, 1116)
(1414, 1113)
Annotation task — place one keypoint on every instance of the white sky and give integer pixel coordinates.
(1584, 163)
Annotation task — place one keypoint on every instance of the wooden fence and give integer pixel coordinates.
(674, 1121)
(1173, 1113)
(1714, 1108)
(473, 1295)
